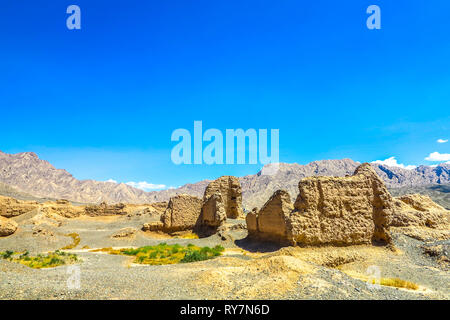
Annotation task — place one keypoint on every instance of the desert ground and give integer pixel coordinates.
(342, 238)
(246, 269)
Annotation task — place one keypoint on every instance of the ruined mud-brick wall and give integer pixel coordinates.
(230, 189)
(182, 213)
(271, 222)
(330, 210)
(103, 209)
(222, 199)
(213, 211)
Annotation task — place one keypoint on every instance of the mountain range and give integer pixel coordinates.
(26, 173)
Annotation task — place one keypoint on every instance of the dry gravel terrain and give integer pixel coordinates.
(245, 271)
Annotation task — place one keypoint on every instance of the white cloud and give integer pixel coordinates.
(442, 141)
(392, 162)
(143, 185)
(436, 156)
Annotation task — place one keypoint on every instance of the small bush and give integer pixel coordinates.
(130, 252)
(7, 254)
(50, 260)
(194, 255)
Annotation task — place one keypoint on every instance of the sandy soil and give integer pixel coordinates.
(246, 270)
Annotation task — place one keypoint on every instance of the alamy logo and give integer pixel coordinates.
(74, 280)
(74, 20)
(374, 277)
(374, 20)
(218, 151)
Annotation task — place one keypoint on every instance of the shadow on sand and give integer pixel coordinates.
(258, 245)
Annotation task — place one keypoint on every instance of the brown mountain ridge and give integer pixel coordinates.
(26, 173)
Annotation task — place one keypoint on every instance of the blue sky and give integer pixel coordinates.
(102, 102)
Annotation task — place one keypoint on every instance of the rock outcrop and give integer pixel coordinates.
(230, 190)
(103, 209)
(124, 233)
(7, 227)
(62, 208)
(10, 207)
(416, 210)
(421, 202)
(153, 226)
(158, 207)
(328, 210)
(44, 232)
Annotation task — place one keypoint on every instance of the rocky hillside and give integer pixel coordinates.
(440, 193)
(258, 188)
(26, 173)
(9, 191)
(194, 189)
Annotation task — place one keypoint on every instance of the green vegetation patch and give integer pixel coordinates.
(167, 254)
(49, 260)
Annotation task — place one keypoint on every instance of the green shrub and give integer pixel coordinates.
(193, 256)
(52, 259)
(130, 252)
(7, 254)
(168, 254)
